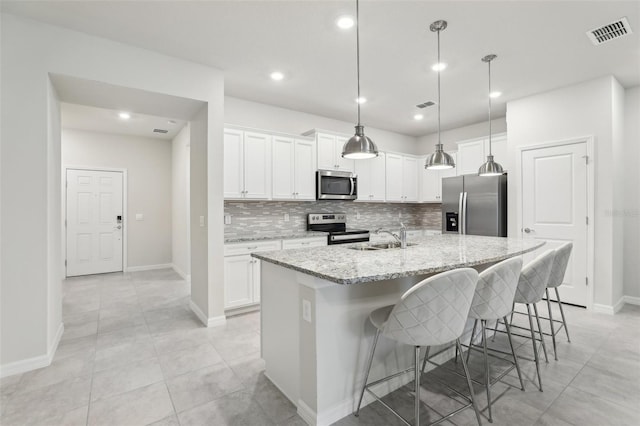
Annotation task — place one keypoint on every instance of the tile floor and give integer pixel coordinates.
(133, 354)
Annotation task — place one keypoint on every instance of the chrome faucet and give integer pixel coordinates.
(402, 239)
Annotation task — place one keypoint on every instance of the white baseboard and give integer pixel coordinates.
(619, 305)
(209, 322)
(603, 309)
(632, 300)
(307, 414)
(35, 362)
(149, 267)
(243, 310)
(180, 272)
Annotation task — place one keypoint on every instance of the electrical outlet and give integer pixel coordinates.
(306, 310)
(227, 219)
(139, 216)
(399, 215)
(286, 217)
(357, 214)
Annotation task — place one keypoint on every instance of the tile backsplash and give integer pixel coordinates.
(267, 217)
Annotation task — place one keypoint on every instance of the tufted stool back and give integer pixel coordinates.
(496, 289)
(534, 277)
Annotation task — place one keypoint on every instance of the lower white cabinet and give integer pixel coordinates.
(242, 273)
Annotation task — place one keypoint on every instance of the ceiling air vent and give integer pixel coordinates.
(160, 131)
(426, 104)
(609, 32)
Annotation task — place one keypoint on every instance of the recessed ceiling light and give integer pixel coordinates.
(495, 94)
(418, 117)
(439, 66)
(277, 76)
(124, 115)
(361, 100)
(345, 22)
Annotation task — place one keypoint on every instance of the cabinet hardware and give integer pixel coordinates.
(252, 248)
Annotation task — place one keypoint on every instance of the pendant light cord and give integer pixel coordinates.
(489, 62)
(439, 142)
(358, 55)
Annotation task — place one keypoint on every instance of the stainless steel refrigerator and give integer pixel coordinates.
(475, 205)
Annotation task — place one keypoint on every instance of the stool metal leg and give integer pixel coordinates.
(553, 333)
(366, 376)
(473, 335)
(426, 358)
(487, 376)
(564, 321)
(513, 351)
(544, 347)
(468, 376)
(535, 349)
(417, 380)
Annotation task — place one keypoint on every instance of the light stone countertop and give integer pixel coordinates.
(284, 235)
(432, 254)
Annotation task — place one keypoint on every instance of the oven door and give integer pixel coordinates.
(334, 185)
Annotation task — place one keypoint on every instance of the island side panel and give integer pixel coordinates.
(280, 328)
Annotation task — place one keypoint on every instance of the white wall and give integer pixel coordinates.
(180, 199)
(30, 51)
(252, 114)
(631, 212)
(584, 109)
(427, 143)
(148, 165)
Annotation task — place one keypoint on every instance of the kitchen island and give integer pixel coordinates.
(315, 303)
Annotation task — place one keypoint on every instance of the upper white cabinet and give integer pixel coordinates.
(472, 154)
(330, 153)
(431, 181)
(293, 168)
(401, 178)
(247, 165)
(371, 178)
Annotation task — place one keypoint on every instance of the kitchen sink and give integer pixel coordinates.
(379, 246)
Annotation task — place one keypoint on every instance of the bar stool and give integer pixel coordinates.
(556, 277)
(432, 312)
(531, 287)
(493, 300)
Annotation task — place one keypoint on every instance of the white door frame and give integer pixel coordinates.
(125, 222)
(590, 200)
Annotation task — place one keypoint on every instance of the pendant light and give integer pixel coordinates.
(359, 147)
(490, 168)
(439, 160)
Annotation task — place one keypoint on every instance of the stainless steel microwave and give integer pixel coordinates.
(335, 185)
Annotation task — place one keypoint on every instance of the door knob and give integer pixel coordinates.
(528, 230)
(119, 227)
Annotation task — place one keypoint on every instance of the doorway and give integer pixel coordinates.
(94, 221)
(555, 208)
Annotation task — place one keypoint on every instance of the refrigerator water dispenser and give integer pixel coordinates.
(452, 222)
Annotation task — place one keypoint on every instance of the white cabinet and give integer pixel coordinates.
(247, 165)
(371, 178)
(401, 178)
(431, 181)
(293, 169)
(330, 153)
(304, 243)
(242, 273)
(472, 154)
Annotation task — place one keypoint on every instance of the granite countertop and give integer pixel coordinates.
(432, 254)
(283, 235)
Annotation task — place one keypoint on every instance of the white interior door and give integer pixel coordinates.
(94, 233)
(554, 209)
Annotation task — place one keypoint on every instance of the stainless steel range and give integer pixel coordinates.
(336, 225)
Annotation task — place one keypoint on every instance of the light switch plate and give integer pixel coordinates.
(202, 221)
(227, 219)
(286, 217)
(139, 216)
(306, 310)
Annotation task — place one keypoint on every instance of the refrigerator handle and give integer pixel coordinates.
(460, 213)
(464, 213)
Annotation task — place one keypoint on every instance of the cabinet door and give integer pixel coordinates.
(470, 157)
(363, 171)
(343, 164)
(410, 178)
(447, 173)
(238, 281)
(283, 168)
(378, 177)
(257, 165)
(326, 151)
(430, 185)
(305, 170)
(233, 164)
(498, 148)
(394, 177)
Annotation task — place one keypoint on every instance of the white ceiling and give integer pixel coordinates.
(541, 45)
(82, 117)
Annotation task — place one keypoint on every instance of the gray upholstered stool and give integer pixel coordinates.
(556, 277)
(531, 287)
(493, 300)
(433, 312)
